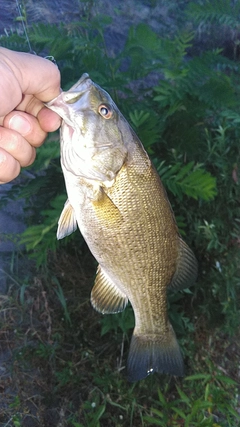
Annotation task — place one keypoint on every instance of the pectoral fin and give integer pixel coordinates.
(67, 223)
(105, 209)
(186, 272)
(106, 297)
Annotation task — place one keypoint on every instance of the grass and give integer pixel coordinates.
(58, 368)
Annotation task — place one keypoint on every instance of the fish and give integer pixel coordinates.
(117, 200)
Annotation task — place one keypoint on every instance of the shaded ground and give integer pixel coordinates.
(55, 369)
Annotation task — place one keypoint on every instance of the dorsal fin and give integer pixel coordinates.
(187, 266)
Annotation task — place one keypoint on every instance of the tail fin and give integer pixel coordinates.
(154, 353)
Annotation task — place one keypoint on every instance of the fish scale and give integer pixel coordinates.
(116, 198)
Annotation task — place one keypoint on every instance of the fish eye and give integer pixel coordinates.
(105, 111)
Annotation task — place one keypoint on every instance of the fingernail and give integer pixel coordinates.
(20, 124)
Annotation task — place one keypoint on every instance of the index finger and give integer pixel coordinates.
(24, 73)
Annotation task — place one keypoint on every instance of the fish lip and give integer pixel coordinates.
(83, 78)
(62, 103)
(80, 87)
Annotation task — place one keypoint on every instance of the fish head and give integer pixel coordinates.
(94, 134)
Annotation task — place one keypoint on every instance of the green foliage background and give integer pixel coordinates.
(183, 103)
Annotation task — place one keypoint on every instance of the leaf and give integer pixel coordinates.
(157, 412)
(139, 117)
(205, 377)
(42, 237)
(223, 12)
(154, 421)
(179, 412)
(183, 396)
(100, 411)
(233, 412)
(161, 397)
(62, 299)
(188, 179)
(226, 380)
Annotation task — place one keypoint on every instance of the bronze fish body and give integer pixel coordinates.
(120, 205)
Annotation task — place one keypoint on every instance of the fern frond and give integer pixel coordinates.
(147, 126)
(48, 152)
(39, 239)
(54, 38)
(189, 179)
(231, 116)
(167, 93)
(222, 12)
(200, 80)
(14, 42)
(217, 92)
(143, 38)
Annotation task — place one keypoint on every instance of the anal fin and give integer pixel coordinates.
(187, 267)
(105, 296)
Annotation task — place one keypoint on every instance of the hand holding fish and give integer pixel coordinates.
(27, 81)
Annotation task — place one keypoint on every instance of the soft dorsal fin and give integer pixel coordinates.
(67, 222)
(187, 266)
(105, 296)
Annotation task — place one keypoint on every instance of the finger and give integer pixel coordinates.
(30, 104)
(26, 125)
(9, 167)
(49, 120)
(25, 73)
(13, 143)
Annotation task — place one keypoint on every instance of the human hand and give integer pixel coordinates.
(27, 81)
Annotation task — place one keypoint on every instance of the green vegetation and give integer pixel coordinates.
(183, 101)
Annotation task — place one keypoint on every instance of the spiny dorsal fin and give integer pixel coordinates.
(186, 272)
(105, 296)
(67, 222)
(154, 353)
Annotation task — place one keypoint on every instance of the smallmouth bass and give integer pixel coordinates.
(116, 198)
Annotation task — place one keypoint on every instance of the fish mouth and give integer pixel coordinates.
(82, 81)
(69, 97)
(77, 91)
